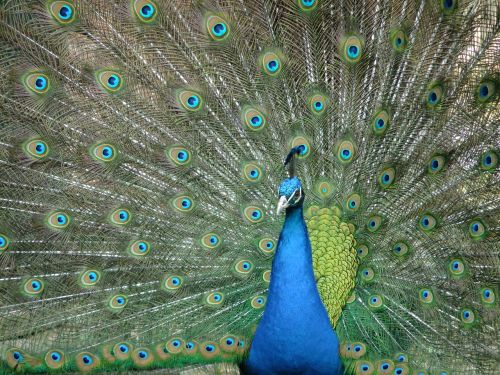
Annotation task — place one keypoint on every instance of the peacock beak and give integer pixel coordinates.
(283, 203)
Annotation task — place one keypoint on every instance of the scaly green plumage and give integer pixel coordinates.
(141, 148)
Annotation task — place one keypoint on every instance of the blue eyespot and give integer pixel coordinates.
(433, 98)
(455, 265)
(256, 121)
(487, 293)
(92, 276)
(120, 300)
(182, 156)
(213, 240)
(357, 348)
(175, 281)
(147, 11)
(401, 358)
(209, 348)
(40, 148)
(246, 265)
(123, 348)
(61, 219)
(123, 215)
(466, 314)
(318, 105)
(87, 360)
(143, 247)
(41, 83)
(308, 3)
(193, 101)
(217, 297)
(229, 341)
(143, 354)
(269, 245)
(55, 356)
(219, 29)
(256, 214)
(345, 154)
(113, 81)
(176, 343)
(107, 152)
(273, 65)
(36, 285)
(448, 4)
(364, 368)
(398, 371)
(380, 123)
(186, 203)
(65, 12)
(374, 299)
(384, 366)
(18, 356)
(3, 241)
(353, 51)
(189, 345)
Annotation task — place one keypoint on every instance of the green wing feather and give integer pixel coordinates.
(141, 148)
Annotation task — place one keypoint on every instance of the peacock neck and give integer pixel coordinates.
(294, 320)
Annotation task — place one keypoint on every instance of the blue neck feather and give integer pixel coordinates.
(294, 335)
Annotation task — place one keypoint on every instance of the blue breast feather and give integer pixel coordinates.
(294, 335)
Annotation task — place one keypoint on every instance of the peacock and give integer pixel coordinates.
(261, 187)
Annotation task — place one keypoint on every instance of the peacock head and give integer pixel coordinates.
(291, 194)
(290, 190)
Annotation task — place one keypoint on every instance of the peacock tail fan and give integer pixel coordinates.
(142, 144)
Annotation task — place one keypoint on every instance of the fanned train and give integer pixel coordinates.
(142, 148)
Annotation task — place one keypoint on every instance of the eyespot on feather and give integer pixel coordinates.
(183, 203)
(380, 122)
(307, 5)
(145, 10)
(300, 140)
(317, 104)
(62, 11)
(172, 283)
(254, 119)
(258, 302)
(489, 160)
(436, 164)
(266, 276)
(427, 222)
(346, 151)
(54, 359)
(121, 216)
(211, 241)
(352, 49)
(399, 40)
(190, 100)
(36, 148)
(435, 95)
(122, 350)
(37, 82)
(214, 299)
(353, 202)
(139, 248)
(209, 349)
(386, 177)
(90, 278)
(243, 267)
(104, 152)
(33, 286)
(267, 246)
(117, 302)
(110, 80)
(362, 250)
(191, 347)
(252, 172)
(86, 362)
(271, 63)
(217, 28)
(229, 343)
(374, 223)
(253, 214)
(175, 345)
(179, 155)
(142, 357)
